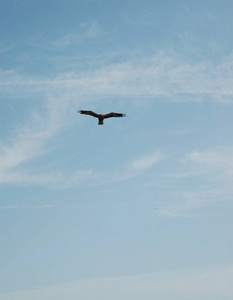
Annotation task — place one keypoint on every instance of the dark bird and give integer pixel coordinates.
(101, 117)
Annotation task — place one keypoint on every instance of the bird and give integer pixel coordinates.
(100, 116)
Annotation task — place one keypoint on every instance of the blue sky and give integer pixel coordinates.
(141, 207)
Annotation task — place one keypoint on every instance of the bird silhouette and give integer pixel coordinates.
(100, 116)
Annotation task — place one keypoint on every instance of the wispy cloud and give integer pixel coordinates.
(6, 49)
(162, 77)
(86, 31)
(202, 284)
(14, 207)
(219, 158)
(37, 207)
(216, 166)
(88, 177)
(193, 204)
(146, 162)
(29, 140)
(203, 179)
(159, 77)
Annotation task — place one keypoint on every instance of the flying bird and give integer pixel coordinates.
(101, 117)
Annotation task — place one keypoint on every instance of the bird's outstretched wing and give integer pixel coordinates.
(88, 112)
(112, 115)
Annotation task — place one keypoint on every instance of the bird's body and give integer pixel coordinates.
(100, 116)
(101, 120)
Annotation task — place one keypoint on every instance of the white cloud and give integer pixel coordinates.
(6, 49)
(146, 162)
(216, 165)
(9, 174)
(220, 158)
(126, 171)
(203, 179)
(163, 77)
(28, 142)
(86, 31)
(189, 203)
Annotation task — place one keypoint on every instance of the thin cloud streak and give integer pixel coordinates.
(188, 203)
(29, 141)
(14, 207)
(163, 77)
(218, 158)
(86, 31)
(88, 177)
(6, 49)
(201, 284)
(218, 162)
(37, 207)
(211, 170)
(146, 162)
(131, 79)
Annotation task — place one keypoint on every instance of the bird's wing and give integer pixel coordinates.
(112, 115)
(88, 112)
